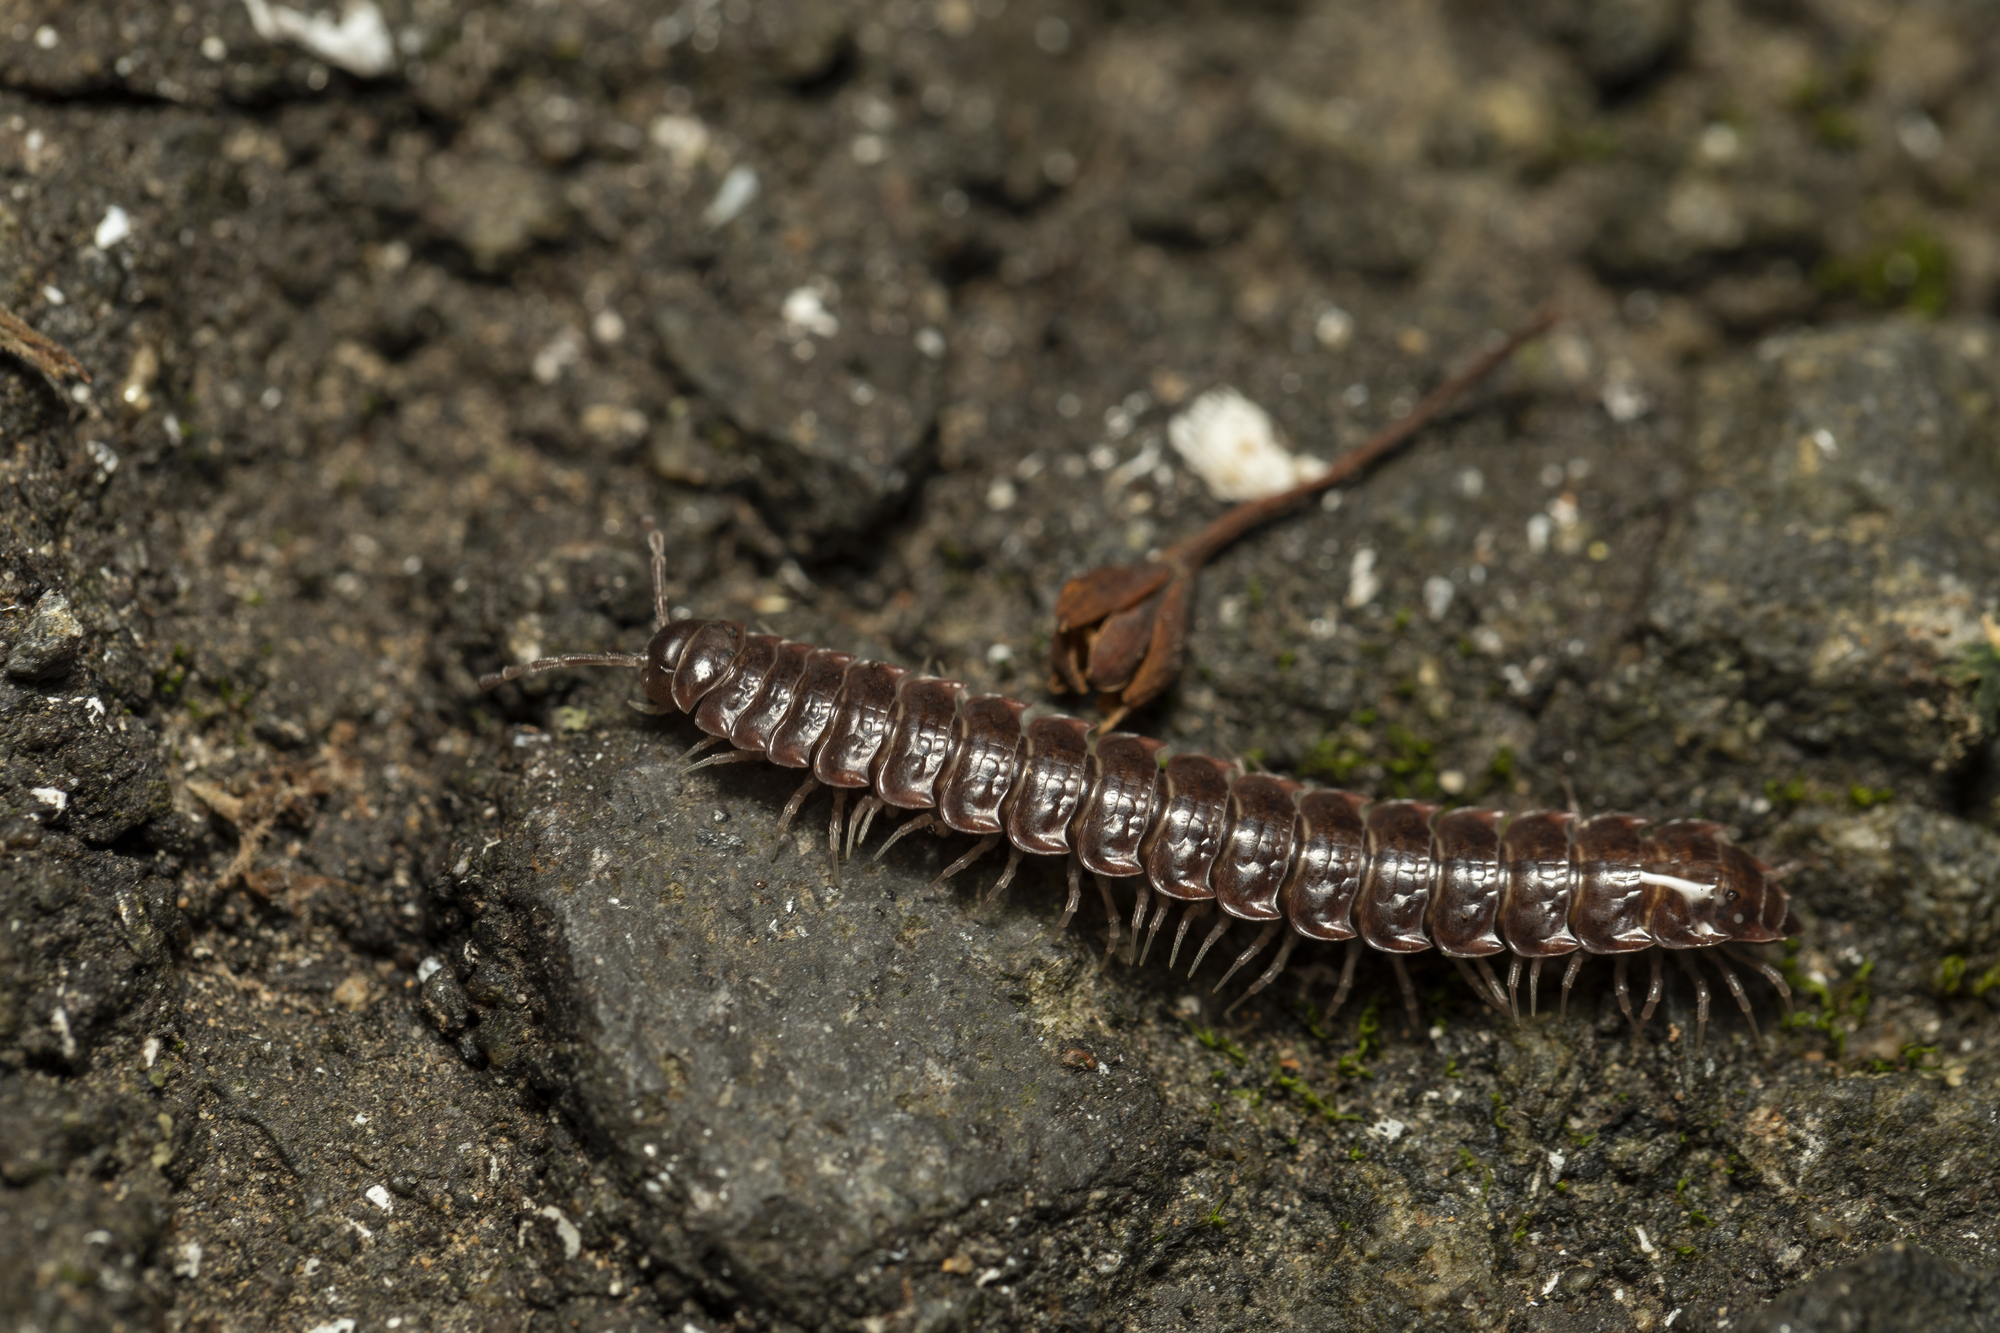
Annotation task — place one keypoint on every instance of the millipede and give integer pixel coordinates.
(1308, 863)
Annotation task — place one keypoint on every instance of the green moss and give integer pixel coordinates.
(1215, 1041)
(1367, 1043)
(1297, 1087)
(1978, 672)
(1410, 769)
(1911, 272)
(1329, 760)
(1951, 974)
(1789, 792)
(1841, 1007)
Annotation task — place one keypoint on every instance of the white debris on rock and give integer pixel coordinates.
(1438, 592)
(572, 1239)
(116, 226)
(1334, 328)
(358, 41)
(684, 138)
(187, 1259)
(1232, 446)
(805, 314)
(735, 194)
(1362, 580)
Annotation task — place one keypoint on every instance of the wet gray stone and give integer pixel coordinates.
(1933, 877)
(445, 1003)
(831, 447)
(803, 1084)
(86, 955)
(1822, 589)
(76, 758)
(46, 647)
(1896, 1289)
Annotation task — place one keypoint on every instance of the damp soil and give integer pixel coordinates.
(338, 994)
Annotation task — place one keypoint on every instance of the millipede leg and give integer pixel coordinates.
(1700, 995)
(1742, 1000)
(1213, 935)
(726, 757)
(705, 743)
(1514, 985)
(864, 815)
(1416, 1015)
(1270, 973)
(1139, 911)
(1256, 947)
(1534, 987)
(1075, 894)
(833, 833)
(1652, 992)
(1006, 876)
(1479, 987)
(923, 821)
(1569, 979)
(1194, 913)
(1618, 983)
(1111, 916)
(807, 788)
(1500, 999)
(979, 849)
(1769, 973)
(1160, 912)
(1346, 982)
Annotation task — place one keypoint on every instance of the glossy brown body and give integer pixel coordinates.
(1331, 865)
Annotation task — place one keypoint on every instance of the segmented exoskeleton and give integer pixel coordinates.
(1400, 876)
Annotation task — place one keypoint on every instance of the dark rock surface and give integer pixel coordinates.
(332, 989)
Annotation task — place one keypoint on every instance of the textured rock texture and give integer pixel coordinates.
(334, 989)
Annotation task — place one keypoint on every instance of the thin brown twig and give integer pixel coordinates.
(1121, 631)
(1200, 548)
(44, 354)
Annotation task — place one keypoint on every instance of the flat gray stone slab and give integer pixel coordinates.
(802, 1076)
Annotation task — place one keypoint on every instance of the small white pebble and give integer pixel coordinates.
(116, 226)
(1232, 446)
(1334, 328)
(735, 194)
(1438, 593)
(1362, 580)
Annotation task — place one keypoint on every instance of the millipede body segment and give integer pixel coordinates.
(1399, 876)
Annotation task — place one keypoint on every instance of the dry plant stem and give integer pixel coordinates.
(1121, 631)
(1197, 550)
(54, 361)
